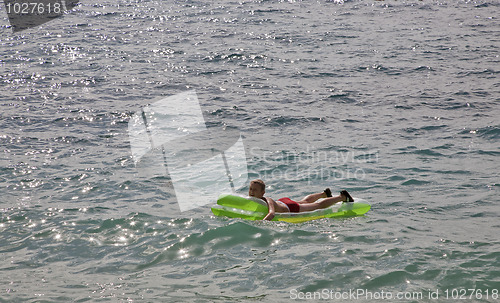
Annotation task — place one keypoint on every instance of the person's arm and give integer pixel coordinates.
(270, 205)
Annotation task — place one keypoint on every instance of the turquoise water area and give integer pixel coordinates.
(395, 101)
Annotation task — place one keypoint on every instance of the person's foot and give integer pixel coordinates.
(328, 192)
(347, 196)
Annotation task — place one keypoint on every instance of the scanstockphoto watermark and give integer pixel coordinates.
(25, 14)
(310, 165)
(453, 294)
(169, 139)
(356, 294)
(312, 174)
(311, 155)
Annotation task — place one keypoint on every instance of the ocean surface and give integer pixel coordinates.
(396, 101)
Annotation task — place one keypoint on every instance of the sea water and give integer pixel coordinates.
(395, 101)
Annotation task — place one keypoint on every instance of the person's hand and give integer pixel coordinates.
(269, 217)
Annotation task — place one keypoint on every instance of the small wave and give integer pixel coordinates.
(489, 133)
(427, 7)
(425, 129)
(395, 178)
(415, 182)
(289, 120)
(344, 97)
(428, 152)
(423, 68)
(380, 68)
(388, 279)
(485, 72)
(424, 152)
(488, 4)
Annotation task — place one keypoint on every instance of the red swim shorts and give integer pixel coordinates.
(292, 205)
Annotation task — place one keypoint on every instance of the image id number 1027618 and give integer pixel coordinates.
(470, 294)
(33, 7)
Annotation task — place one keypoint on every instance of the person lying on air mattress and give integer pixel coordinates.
(257, 189)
